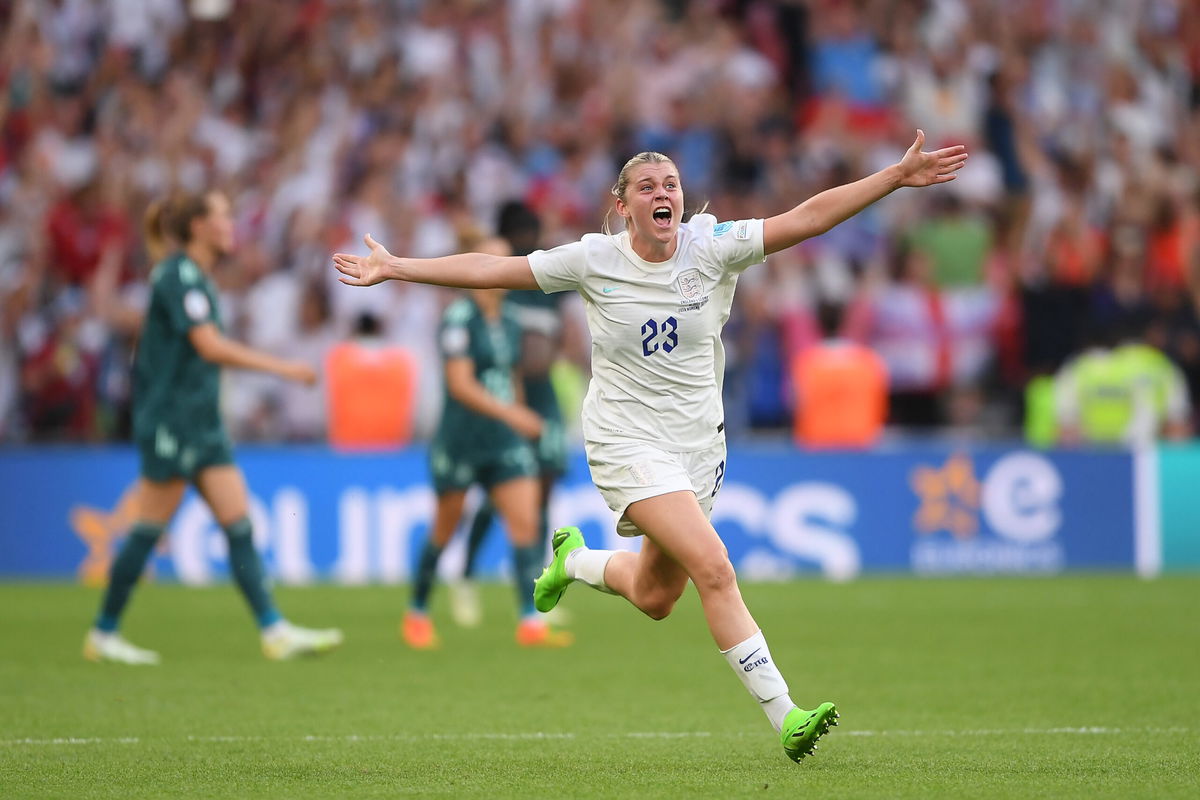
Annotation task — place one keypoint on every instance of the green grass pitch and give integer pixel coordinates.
(1065, 687)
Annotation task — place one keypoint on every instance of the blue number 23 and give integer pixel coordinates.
(652, 340)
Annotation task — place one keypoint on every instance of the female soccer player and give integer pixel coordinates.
(179, 433)
(485, 437)
(657, 296)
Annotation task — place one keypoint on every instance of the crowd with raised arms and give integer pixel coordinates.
(420, 120)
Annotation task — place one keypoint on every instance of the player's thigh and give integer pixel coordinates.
(223, 488)
(157, 500)
(446, 514)
(678, 526)
(517, 501)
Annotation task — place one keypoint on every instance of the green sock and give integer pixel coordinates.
(126, 569)
(480, 525)
(426, 575)
(527, 565)
(247, 570)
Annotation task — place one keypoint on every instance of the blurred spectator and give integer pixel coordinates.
(841, 390)
(326, 119)
(937, 343)
(370, 391)
(1125, 394)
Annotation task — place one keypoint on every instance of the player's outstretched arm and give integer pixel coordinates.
(214, 346)
(822, 211)
(465, 271)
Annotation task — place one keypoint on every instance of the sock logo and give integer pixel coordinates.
(753, 664)
(747, 658)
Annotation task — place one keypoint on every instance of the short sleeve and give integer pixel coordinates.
(455, 338)
(738, 244)
(183, 294)
(559, 269)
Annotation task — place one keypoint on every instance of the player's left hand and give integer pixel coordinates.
(368, 271)
(918, 168)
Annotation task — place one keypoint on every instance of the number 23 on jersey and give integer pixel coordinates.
(657, 336)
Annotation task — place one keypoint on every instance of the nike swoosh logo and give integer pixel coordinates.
(608, 289)
(747, 658)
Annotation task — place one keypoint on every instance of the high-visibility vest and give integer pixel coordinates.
(371, 395)
(841, 395)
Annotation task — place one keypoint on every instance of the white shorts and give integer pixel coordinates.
(631, 471)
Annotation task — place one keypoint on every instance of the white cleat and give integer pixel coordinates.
(101, 646)
(464, 604)
(283, 640)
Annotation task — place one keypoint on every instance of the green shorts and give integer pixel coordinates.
(457, 471)
(551, 448)
(168, 454)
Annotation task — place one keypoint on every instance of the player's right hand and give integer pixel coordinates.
(524, 421)
(364, 271)
(301, 373)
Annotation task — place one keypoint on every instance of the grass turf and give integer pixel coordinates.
(1065, 687)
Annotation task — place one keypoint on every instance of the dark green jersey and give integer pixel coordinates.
(539, 314)
(173, 387)
(493, 348)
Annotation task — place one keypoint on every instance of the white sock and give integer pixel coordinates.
(587, 565)
(752, 662)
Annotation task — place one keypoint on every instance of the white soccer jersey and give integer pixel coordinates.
(657, 358)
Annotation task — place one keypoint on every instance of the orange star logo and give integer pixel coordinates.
(949, 498)
(99, 529)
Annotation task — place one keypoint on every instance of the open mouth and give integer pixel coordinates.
(662, 216)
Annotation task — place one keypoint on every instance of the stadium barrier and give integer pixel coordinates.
(358, 518)
(1178, 473)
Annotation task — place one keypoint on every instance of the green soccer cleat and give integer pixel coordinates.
(548, 588)
(801, 729)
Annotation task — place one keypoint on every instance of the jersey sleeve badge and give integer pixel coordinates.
(195, 303)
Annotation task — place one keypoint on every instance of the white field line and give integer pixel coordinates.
(539, 735)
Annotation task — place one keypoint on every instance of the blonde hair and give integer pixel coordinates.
(622, 184)
(154, 229)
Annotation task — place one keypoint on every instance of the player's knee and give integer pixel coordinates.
(714, 574)
(659, 605)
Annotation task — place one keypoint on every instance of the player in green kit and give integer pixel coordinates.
(484, 438)
(179, 433)
(540, 318)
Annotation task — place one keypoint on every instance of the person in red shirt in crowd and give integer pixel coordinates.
(79, 229)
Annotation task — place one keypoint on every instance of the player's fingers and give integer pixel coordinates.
(351, 281)
(945, 178)
(950, 168)
(958, 159)
(346, 268)
(370, 241)
(951, 151)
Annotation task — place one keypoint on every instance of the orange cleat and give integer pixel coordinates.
(417, 631)
(537, 633)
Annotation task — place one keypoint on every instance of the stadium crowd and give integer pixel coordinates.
(322, 119)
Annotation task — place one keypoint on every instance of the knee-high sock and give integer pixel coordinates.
(247, 570)
(527, 565)
(426, 574)
(752, 662)
(480, 525)
(126, 569)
